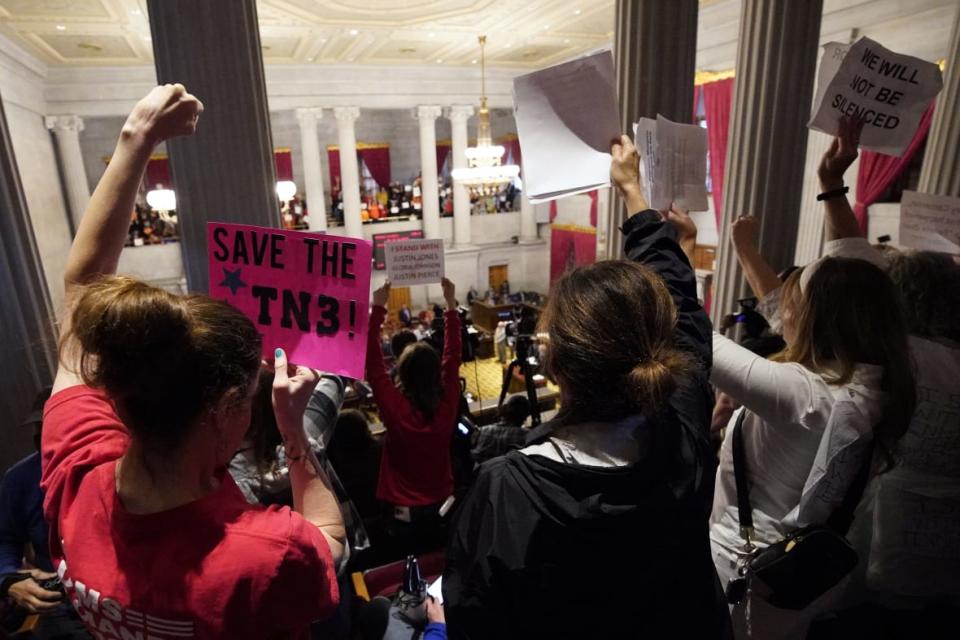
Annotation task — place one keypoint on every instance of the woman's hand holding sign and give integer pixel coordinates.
(381, 295)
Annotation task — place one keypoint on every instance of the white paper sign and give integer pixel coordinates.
(566, 117)
(673, 159)
(930, 223)
(890, 91)
(414, 261)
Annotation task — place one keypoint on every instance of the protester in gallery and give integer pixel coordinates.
(506, 435)
(151, 399)
(355, 454)
(920, 493)
(840, 395)
(419, 412)
(598, 528)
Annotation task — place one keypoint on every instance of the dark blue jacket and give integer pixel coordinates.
(21, 516)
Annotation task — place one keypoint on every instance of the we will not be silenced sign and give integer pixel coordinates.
(888, 90)
(307, 293)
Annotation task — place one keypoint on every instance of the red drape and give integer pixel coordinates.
(333, 161)
(572, 246)
(284, 163)
(717, 101)
(878, 170)
(158, 173)
(443, 150)
(377, 160)
(511, 151)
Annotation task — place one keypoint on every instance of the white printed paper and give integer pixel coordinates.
(889, 90)
(435, 590)
(567, 116)
(673, 161)
(930, 223)
(414, 261)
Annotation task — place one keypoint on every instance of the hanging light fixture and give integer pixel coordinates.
(484, 173)
(286, 190)
(161, 199)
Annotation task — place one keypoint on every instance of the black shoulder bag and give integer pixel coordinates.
(808, 561)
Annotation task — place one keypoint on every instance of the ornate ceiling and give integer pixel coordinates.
(521, 33)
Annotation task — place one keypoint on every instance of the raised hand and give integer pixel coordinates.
(449, 293)
(625, 166)
(841, 154)
(166, 112)
(381, 295)
(292, 387)
(744, 230)
(685, 226)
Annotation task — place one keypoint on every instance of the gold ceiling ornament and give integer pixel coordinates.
(484, 173)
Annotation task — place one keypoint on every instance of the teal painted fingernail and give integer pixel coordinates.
(278, 353)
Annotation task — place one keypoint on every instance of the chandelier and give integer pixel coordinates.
(484, 175)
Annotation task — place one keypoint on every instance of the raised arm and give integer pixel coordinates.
(839, 220)
(452, 343)
(758, 272)
(313, 494)
(166, 112)
(384, 391)
(653, 242)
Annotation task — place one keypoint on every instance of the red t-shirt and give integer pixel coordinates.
(415, 467)
(217, 567)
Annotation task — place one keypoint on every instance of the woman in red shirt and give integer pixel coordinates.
(149, 534)
(419, 413)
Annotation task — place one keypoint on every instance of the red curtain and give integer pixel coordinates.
(158, 173)
(511, 151)
(717, 101)
(284, 163)
(878, 170)
(572, 246)
(377, 160)
(443, 150)
(333, 161)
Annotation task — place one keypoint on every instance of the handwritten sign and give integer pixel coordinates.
(888, 90)
(307, 293)
(673, 159)
(414, 261)
(930, 223)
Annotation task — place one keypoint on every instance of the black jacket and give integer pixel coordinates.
(545, 549)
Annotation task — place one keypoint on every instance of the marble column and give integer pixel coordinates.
(225, 172)
(648, 80)
(66, 131)
(810, 229)
(429, 187)
(349, 169)
(28, 347)
(940, 173)
(528, 219)
(312, 167)
(458, 115)
(776, 65)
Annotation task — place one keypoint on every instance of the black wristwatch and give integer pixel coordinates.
(7, 580)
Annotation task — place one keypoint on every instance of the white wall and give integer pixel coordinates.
(21, 87)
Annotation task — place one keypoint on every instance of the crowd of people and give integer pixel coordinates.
(184, 487)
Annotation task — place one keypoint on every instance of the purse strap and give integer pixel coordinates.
(840, 520)
(744, 510)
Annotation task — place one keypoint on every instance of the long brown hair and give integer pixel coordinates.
(418, 370)
(610, 346)
(850, 314)
(163, 359)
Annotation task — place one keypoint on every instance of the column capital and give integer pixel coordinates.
(427, 112)
(64, 123)
(459, 111)
(346, 115)
(308, 116)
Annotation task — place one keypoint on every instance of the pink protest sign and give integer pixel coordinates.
(305, 292)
